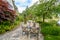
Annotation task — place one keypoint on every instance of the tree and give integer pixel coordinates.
(45, 8)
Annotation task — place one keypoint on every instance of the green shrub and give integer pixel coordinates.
(51, 30)
(46, 24)
(7, 25)
(49, 37)
(2, 31)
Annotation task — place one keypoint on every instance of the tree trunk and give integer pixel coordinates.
(25, 20)
(43, 18)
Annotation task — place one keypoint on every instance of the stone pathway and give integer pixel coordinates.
(17, 35)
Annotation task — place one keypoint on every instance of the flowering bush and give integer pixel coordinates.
(5, 12)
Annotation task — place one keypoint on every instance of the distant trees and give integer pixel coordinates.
(5, 12)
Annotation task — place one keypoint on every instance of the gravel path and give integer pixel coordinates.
(17, 35)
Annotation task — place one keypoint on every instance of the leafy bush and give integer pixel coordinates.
(51, 30)
(46, 24)
(7, 25)
(5, 12)
(2, 31)
(50, 37)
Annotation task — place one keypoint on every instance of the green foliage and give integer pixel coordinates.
(2, 31)
(8, 26)
(57, 9)
(44, 10)
(48, 24)
(45, 24)
(49, 37)
(51, 30)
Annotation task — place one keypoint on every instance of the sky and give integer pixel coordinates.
(22, 4)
